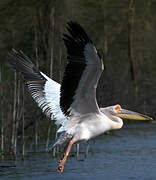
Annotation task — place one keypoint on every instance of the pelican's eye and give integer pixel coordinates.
(117, 108)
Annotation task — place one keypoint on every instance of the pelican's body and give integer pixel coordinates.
(91, 125)
(73, 104)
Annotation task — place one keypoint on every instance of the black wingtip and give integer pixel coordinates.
(14, 54)
(76, 32)
(19, 62)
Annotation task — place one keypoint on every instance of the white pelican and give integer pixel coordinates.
(74, 106)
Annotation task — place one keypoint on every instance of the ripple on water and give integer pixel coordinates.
(128, 154)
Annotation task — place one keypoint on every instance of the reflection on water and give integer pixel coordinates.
(129, 153)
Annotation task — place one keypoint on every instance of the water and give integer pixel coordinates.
(129, 153)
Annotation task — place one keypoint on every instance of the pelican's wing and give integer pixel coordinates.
(44, 90)
(84, 68)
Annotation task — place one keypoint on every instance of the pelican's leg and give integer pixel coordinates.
(77, 150)
(65, 155)
(87, 149)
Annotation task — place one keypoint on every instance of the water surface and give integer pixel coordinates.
(130, 153)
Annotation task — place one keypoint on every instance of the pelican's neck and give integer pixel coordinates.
(115, 122)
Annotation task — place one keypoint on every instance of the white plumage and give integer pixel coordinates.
(52, 97)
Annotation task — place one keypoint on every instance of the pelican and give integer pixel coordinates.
(73, 104)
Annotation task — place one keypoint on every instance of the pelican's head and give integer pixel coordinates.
(127, 114)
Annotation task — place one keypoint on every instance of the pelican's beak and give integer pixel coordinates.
(126, 114)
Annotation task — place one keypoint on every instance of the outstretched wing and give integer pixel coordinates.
(44, 90)
(84, 68)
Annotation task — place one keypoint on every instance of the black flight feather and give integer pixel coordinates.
(75, 42)
(34, 80)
